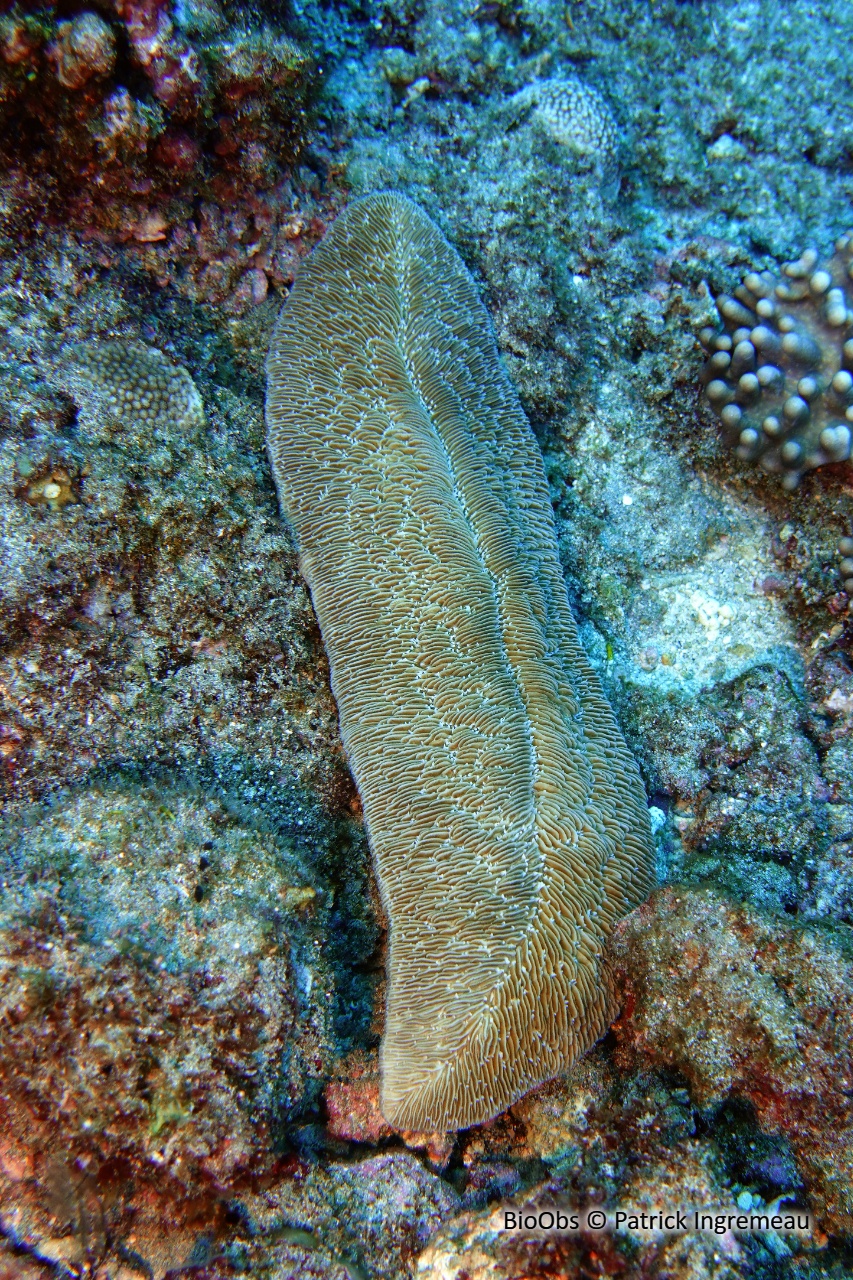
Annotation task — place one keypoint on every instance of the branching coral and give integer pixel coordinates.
(780, 374)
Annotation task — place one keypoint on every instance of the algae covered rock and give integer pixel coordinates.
(116, 118)
(152, 977)
(743, 1006)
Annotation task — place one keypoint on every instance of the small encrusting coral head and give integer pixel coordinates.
(780, 374)
(578, 118)
(505, 814)
(121, 385)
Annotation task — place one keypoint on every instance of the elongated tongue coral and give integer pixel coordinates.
(505, 814)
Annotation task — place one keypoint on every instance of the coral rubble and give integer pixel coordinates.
(118, 119)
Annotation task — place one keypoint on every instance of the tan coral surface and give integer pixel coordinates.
(505, 813)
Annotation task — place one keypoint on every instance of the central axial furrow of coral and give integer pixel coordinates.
(505, 813)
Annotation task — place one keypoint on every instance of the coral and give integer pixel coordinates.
(153, 614)
(780, 375)
(577, 117)
(496, 786)
(845, 552)
(132, 621)
(126, 387)
(744, 1007)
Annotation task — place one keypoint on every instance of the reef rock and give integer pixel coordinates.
(743, 1006)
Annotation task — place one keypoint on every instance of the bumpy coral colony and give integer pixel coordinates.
(780, 374)
(117, 381)
(577, 117)
(845, 551)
